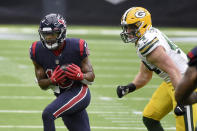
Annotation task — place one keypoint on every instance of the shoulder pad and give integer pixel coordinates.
(79, 45)
(148, 43)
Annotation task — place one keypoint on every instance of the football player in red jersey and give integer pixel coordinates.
(184, 93)
(70, 85)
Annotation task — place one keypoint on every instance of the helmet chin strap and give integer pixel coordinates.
(52, 47)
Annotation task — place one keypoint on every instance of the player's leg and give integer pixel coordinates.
(77, 122)
(159, 105)
(152, 125)
(48, 120)
(67, 103)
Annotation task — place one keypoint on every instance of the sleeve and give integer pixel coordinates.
(32, 51)
(147, 46)
(84, 51)
(192, 56)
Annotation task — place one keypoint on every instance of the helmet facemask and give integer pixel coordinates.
(129, 36)
(51, 38)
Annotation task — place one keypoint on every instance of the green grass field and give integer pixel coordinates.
(114, 63)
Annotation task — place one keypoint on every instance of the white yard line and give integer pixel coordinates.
(92, 127)
(21, 111)
(89, 112)
(38, 112)
(106, 99)
(119, 118)
(90, 31)
(31, 34)
(94, 86)
(27, 97)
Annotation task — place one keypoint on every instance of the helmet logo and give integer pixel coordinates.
(61, 21)
(140, 14)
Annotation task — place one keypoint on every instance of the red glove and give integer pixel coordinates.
(58, 76)
(74, 72)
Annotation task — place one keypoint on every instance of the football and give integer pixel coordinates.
(63, 67)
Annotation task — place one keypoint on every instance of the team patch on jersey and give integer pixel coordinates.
(148, 46)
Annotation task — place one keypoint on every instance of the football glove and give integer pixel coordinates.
(74, 72)
(123, 90)
(179, 110)
(58, 76)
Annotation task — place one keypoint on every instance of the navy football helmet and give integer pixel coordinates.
(52, 31)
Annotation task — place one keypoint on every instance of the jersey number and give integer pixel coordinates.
(171, 44)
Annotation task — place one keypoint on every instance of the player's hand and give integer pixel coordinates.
(58, 76)
(122, 90)
(179, 110)
(74, 72)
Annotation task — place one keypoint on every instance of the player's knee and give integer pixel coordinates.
(46, 115)
(148, 121)
(152, 125)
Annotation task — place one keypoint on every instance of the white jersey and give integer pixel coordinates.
(154, 38)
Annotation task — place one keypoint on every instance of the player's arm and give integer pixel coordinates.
(41, 77)
(57, 76)
(184, 92)
(85, 74)
(142, 78)
(87, 69)
(160, 58)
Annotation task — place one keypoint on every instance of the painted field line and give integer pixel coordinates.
(89, 112)
(115, 85)
(99, 60)
(92, 127)
(119, 118)
(38, 112)
(16, 85)
(27, 97)
(93, 86)
(97, 98)
(33, 37)
(127, 68)
(125, 121)
(92, 31)
(21, 111)
(63, 127)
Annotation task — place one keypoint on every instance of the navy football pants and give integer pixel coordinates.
(70, 105)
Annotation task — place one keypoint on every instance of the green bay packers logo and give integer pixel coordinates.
(140, 14)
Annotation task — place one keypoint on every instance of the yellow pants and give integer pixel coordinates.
(163, 101)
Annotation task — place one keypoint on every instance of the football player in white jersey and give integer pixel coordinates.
(160, 55)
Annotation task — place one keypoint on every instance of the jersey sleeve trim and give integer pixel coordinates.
(81, 46)
(192, 59)
(190, 55)
(148, 46)
(34, 49)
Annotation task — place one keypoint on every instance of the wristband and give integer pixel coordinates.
(131, 87)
